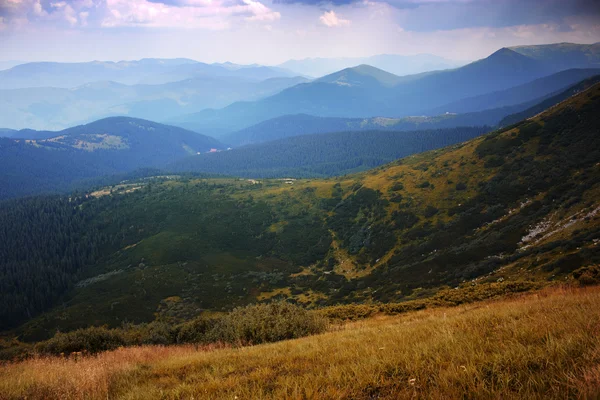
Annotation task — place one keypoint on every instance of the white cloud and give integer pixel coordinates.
(206, 14)
(330, 19)
(260, 12)
(83, 16)
(37, 8)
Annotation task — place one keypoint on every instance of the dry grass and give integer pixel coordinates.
(544, 345)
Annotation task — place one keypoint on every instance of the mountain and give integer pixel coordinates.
(561, 56)
(365, 91)
(5, 132)
(396, 64)
(198, 70)
(148, 70)
(56, 161)
(322, 155)
(57, 108)
(68, 75)
(362, 76)
(530, 91)
(550, 101)
(504, 114)
(9, 64)
(303, 124)
(509, 209)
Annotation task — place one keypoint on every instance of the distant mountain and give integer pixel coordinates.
(9, 64)
(561, 56)
(68, 75)
(57, 108)
(322, 155)
(303, 124)
(365, 76)
(198, 70)
(549, 102)
(5, 132)
(57, 160)
(396, 64)
(365, 91)
(149, 71)
(529, 91)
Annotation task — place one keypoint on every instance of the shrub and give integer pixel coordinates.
(196, 330)
(430, 211)
(263, 323)
(587, 275)
(93, 340)
(461, 186)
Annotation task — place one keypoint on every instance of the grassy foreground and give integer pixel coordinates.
(541, 345)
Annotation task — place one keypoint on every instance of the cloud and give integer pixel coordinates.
(440, 15)
(330, 19)
(317, 2)
(79, 14)
(83, 16)
(260, 12)
(208, 14)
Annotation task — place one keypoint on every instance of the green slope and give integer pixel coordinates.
(515, 205)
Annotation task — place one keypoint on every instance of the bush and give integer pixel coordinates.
(430, 211)
(195, 331)
(263, 323)
(587, 275)
(93, 340)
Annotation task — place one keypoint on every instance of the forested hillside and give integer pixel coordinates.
(57, 161)
(321, 155)
(514, 206)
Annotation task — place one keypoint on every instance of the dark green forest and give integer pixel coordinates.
(324, 155)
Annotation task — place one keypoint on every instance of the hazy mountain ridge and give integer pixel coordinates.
(530, 91)
(395, 64)
(150, 70)
(57, 108)
(561, 56)
(301, 124)
(365, 91)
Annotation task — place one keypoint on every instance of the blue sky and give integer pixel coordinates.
(272, 31)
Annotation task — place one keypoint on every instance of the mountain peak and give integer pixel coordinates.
(361, 75)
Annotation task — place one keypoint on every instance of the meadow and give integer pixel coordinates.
(543, 344)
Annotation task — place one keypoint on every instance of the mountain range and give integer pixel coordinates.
(289, 146)
(490, 109)
(365, 91)
(396, 64)
(148, 70)
(58, 108)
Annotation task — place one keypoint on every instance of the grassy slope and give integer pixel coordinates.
(190, 249)
(541, 345)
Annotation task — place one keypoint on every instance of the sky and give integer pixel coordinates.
(273, 31)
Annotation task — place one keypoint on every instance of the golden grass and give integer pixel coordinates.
(544, 345)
